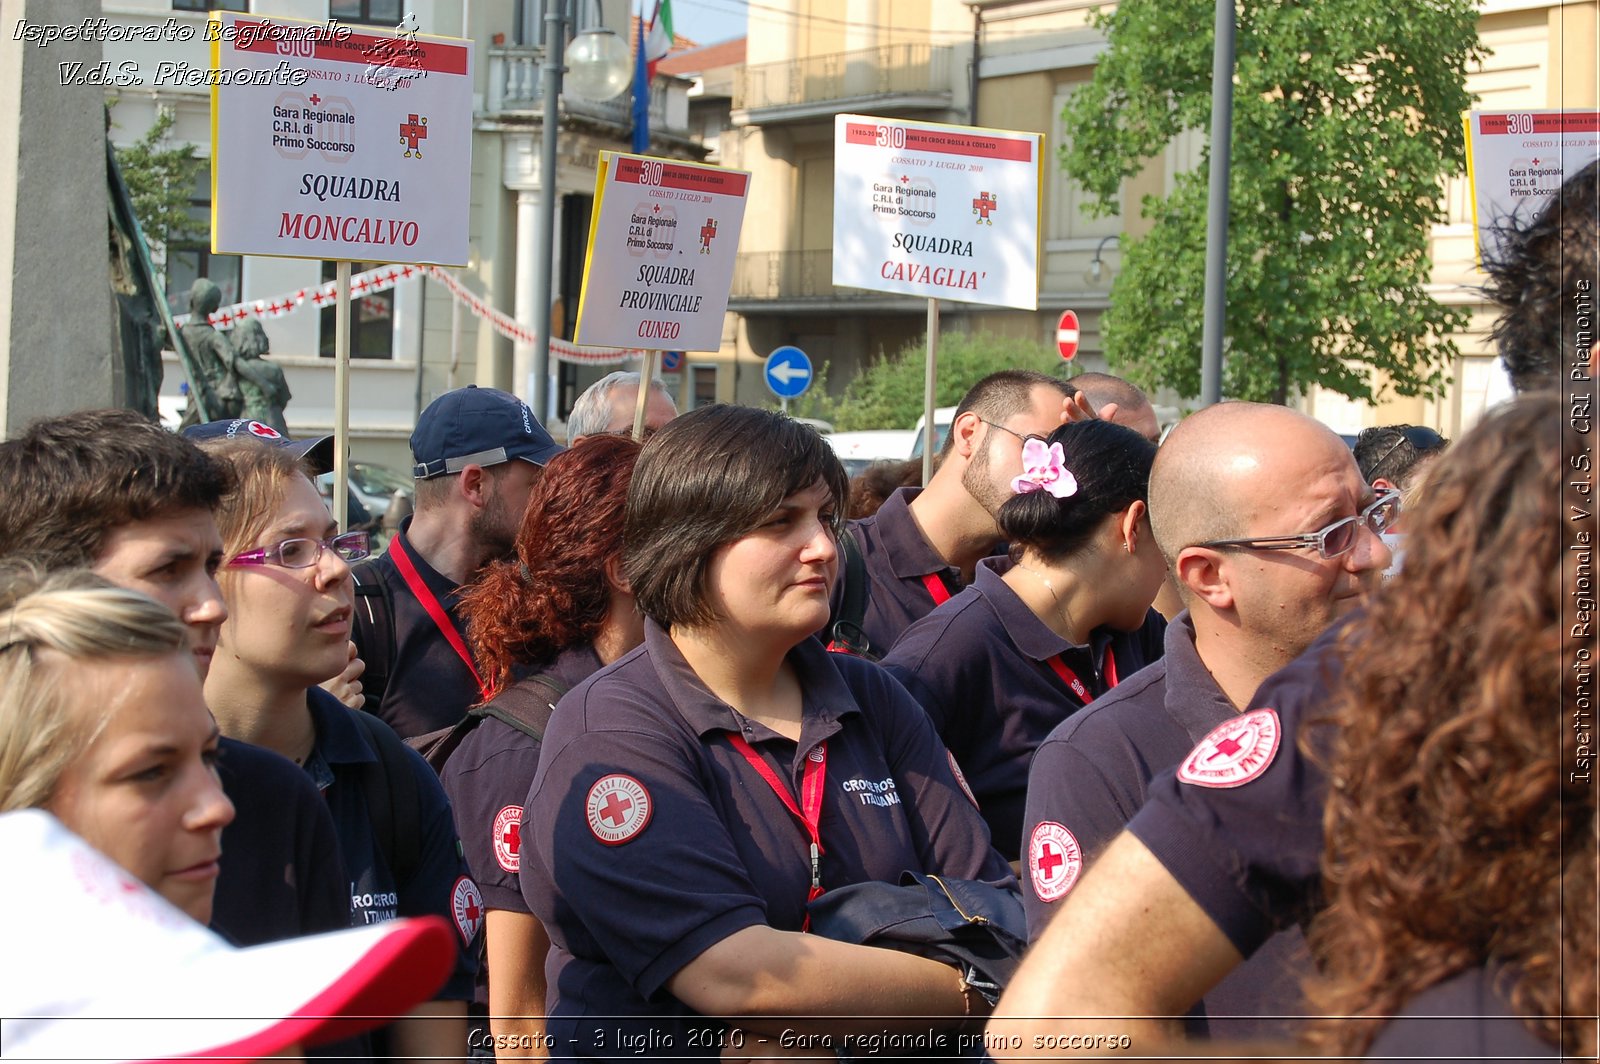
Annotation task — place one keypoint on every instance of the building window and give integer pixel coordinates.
(379, 12)
(189, 259)
(703, 386)
(372, 319)
(211, 5)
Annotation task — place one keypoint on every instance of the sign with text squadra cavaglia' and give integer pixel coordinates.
(948, 212)
(368, 158)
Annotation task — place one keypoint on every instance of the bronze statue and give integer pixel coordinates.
(214, 359)
(265, 391)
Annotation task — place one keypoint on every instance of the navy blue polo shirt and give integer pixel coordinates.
(1089, 778)
(440, 884)
(1465, 1018)
(281, 873)
(1246, 841)
(898, 560)
(649, 837)
(980, 665)
(487, 778)
(428, 685)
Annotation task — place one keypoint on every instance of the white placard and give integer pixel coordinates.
(1516, 160)
(950, 212)
(329, 143)
(661, 253)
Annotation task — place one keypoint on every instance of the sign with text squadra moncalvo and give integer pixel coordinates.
(948, 212)
(367, 158)
(661, 253)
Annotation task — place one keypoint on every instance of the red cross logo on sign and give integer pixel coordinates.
(1236, 751)
(618, 808)
(413, 132)
(466, 905)
(983, 206)
(507, 837)
(707, 233)
(1054, 860)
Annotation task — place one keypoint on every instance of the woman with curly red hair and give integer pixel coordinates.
(557, 613)
(1460, 856)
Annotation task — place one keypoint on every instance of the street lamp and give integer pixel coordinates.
(600, 71)
(1097, 265)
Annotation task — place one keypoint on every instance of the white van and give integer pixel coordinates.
(942, 417)
(858, 450)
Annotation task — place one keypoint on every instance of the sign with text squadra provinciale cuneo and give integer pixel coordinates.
(368, 158)
(662, 247)
(947, 212)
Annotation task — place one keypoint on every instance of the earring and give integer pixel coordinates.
(1125, 548)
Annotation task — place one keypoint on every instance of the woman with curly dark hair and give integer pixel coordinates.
(558, 612)
(1460, 858)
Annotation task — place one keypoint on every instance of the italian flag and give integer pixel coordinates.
(659, 41)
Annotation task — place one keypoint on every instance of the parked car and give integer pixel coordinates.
(858, 450)
(372, 490)
(942, 417)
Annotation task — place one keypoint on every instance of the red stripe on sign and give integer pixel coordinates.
(1522, 123)
(367, 49)
(944, 142)
(655, 174)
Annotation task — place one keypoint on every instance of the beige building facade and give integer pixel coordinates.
(1013, 64)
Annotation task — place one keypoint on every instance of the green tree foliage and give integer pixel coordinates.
(888, 393)
(161, 175)
(1347, 115)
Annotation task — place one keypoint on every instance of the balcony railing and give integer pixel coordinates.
(516, 84)
(886, 71)
(788, 275)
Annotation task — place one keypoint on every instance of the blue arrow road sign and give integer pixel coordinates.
(788, 372)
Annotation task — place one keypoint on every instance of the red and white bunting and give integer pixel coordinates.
(371, 282)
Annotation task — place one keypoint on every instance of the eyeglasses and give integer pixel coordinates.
(1337, 539)
(1014, 432)
(304, 553)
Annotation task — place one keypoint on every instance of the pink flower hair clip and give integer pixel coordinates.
(1044, 469)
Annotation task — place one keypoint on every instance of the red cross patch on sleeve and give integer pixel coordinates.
(466, 906)
(1055, 860)
(507, 837)
(1236, 751)
(618, 808)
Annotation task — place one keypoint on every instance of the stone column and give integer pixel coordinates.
(527, 252)
(56, 306)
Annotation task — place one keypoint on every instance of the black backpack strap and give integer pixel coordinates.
(394, 800)
(845, 634)
(372, 628)
(526, 705)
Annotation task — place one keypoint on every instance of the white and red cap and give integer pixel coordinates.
(99, 967)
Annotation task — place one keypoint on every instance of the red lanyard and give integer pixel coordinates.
(810, 798)
(935, 585)
(430, 602)
(1070, 678)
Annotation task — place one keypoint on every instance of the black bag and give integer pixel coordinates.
(526, 705)
(975, 926)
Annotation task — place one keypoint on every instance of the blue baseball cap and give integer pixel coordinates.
(477, 426)
(315, 451)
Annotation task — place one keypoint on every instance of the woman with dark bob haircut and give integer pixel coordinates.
(552, 615)
(1460, 854)
(693, 797)
(1038, 635)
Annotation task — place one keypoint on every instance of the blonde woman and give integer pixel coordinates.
(103, 723)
